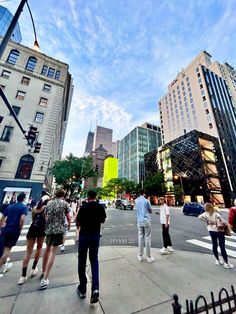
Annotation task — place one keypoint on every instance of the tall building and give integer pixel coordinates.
(202, 97)
(5, 21)
(89, 143)
(115, 148)
(132, 149)
(103, 136)
(40, 89)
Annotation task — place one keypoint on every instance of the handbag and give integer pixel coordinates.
(224, 227)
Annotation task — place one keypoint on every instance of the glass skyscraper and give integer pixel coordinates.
(5, 20)
(132, 149)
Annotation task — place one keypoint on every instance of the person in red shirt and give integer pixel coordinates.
(232, 217)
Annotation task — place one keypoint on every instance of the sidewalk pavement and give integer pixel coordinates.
(126, 285)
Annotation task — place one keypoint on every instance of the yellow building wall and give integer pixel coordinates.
(110, 170)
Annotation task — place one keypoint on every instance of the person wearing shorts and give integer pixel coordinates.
(36, 234)
(55, 213)
(14, 219)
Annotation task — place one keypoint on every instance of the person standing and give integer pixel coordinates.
(214, 220)
(143, 208)
(89, 219)
(165, 223)
(36, 234)
(55, 213)
(14, 219)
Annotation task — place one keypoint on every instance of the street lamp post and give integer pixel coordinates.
(3, 46)
(181, 176)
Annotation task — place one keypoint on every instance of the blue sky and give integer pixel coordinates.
(123, 53)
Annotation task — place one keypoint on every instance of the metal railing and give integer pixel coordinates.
(225, 304)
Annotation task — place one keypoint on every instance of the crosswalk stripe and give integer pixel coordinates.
(229, 243)
(22, 248)
(25, 231)
(23, 235)
(209, 246)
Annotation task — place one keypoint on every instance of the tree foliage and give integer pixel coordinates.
(68, 172)
(119, 186)
(154, 184)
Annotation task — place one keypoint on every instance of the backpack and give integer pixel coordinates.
(39, 221)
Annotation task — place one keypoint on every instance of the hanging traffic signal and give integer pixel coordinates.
(37, 147)
(32, 133)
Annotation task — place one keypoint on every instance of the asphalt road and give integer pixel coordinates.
(120, 229)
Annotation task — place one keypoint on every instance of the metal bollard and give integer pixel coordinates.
(176, 305)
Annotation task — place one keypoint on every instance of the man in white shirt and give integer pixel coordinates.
(143, 208)
(165, 223)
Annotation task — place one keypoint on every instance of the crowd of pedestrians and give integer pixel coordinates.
(51, 220)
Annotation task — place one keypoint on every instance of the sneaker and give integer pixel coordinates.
(228, 265)
(82, 295)
(33, 272)
(44, 284)
(94, 297)
(140, 258)
(163, 251)
(6, 267)
(219, 262)
(22, 280)
(170, 249)
(62, 248)
(150, 259)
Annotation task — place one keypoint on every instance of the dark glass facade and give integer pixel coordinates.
(225, 117)
(5, 20)
(193, 169)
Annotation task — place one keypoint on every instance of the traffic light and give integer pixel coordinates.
(37, 147)
(32, 133)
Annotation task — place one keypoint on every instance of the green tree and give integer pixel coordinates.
(68, 172)
(119, 186)
(154, 184)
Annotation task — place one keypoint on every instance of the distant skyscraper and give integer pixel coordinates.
(132, 149)
(5, 20)
(103, 136)
(89, 143)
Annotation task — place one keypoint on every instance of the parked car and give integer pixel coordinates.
(123, 204)
(193, 209)
(104, 203)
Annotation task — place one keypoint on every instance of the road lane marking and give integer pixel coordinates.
(209, 246)
(229, 243)
(22, 248)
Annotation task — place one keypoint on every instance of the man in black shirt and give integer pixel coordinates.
(89, 219)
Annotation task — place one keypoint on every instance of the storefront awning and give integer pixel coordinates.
(14, 189)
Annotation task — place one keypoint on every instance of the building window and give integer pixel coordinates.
(47, 88)
(207, 111)
(6, 74)
(20, 95)
(7, 133)
(1, 161)
(44, 70)
(25, 80)
(31, 63)
(210, 126)
(204, 98)
(51, 72)
(39, 117)
(197, 70)
(25, 167)
(43, 102)
(13, 56)
(57, 75)
(16, 110)
(3, 87)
